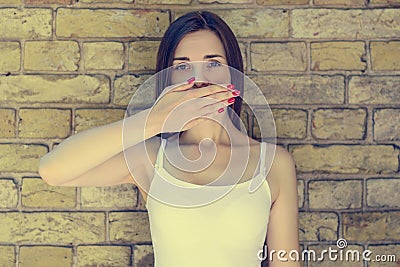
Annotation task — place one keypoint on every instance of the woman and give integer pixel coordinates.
(228, 231)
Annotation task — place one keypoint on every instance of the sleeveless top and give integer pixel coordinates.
(228, 231)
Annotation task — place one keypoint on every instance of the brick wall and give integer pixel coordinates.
(331, 73)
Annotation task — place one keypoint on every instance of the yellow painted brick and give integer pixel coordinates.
(52, 227)
(10, 56)
(338, 56)
(44, 123)
(384, 2)
(383, 193)
(120, 196)
(163, 2)
(11, 2)
(144, 255)
(89, 118)
(343, 258)
(290, 123)
(243, 51)
(262, 23)
(28, 23)
(36, 193)
(339, 124)
(385, 55)
(282, 2)
(284, 89)
(371, 226)
(300, 193)
(116, 256)
(39, 256)
(339, 2)
(374, 159)
(126, 91)
(7, 123)
(8, 194)
(385, 250)
(20, 157)
(110, 23)
(129, 226)
(142, 55)
(106, 1)
(55, 88)
(103, 55)
(7, 256)
(349, 24)
(387, 124)
(278, 56)
(374, 89)
(343, 194)
(318, 226)
(52, 55)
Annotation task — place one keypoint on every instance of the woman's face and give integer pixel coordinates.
(201, 55)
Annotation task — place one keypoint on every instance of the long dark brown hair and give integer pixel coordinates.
(196, 21)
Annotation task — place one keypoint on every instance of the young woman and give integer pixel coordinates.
(226, 231)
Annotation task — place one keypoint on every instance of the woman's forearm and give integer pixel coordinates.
(86, 150)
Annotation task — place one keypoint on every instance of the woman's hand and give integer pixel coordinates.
(180, 107)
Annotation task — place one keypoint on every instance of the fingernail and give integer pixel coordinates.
(230, 86)
(191, 80)
(236, 92)
(220, 110)
(231, 100)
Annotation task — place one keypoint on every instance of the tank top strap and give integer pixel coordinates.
(160, 155)
(263, 152)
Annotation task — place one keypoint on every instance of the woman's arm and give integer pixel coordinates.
(283, 229)
(95, 151)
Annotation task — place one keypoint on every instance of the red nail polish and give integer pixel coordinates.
(231, 100)
(191, 80)
(230, 86)
(220, 110)
(236, 92)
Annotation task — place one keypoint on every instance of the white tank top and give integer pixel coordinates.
(229, 231)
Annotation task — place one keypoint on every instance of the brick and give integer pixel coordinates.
(386, 251)
(339, 124)
(339, 2)
(126, 91)
(132, 227)
(322, 226)
(280, 2)
(90, 118)
(10, 2)
(116, 256)
(54, 89)
(243, 51)
(121, 196)
(112, 56)
(278, 56)
(7, 256)
(374, 90)
(262, 123)
(350, 256)
(59, 2)
(378, 191)
(10, 56)
(302, 90)
(385, 55)
(108, 23)
(36, 193)
(44, 123)
(144, 256)
(8, 194)
(373, 159)
(52, 55)
(7, 123)
(346, 24)
(52, 227)
(300, 192)
(20, 157)
(164, 2)
(384, 2)
(26, 23)
(142, 55)
(259, 23)
(386, 124)
(371, 226)
(106, 1)
(338, 56)
(338, 194)
(39, 256)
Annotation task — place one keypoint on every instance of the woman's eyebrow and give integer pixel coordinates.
(205, 57)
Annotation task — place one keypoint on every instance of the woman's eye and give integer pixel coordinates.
(182, 66)
(214, 64)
